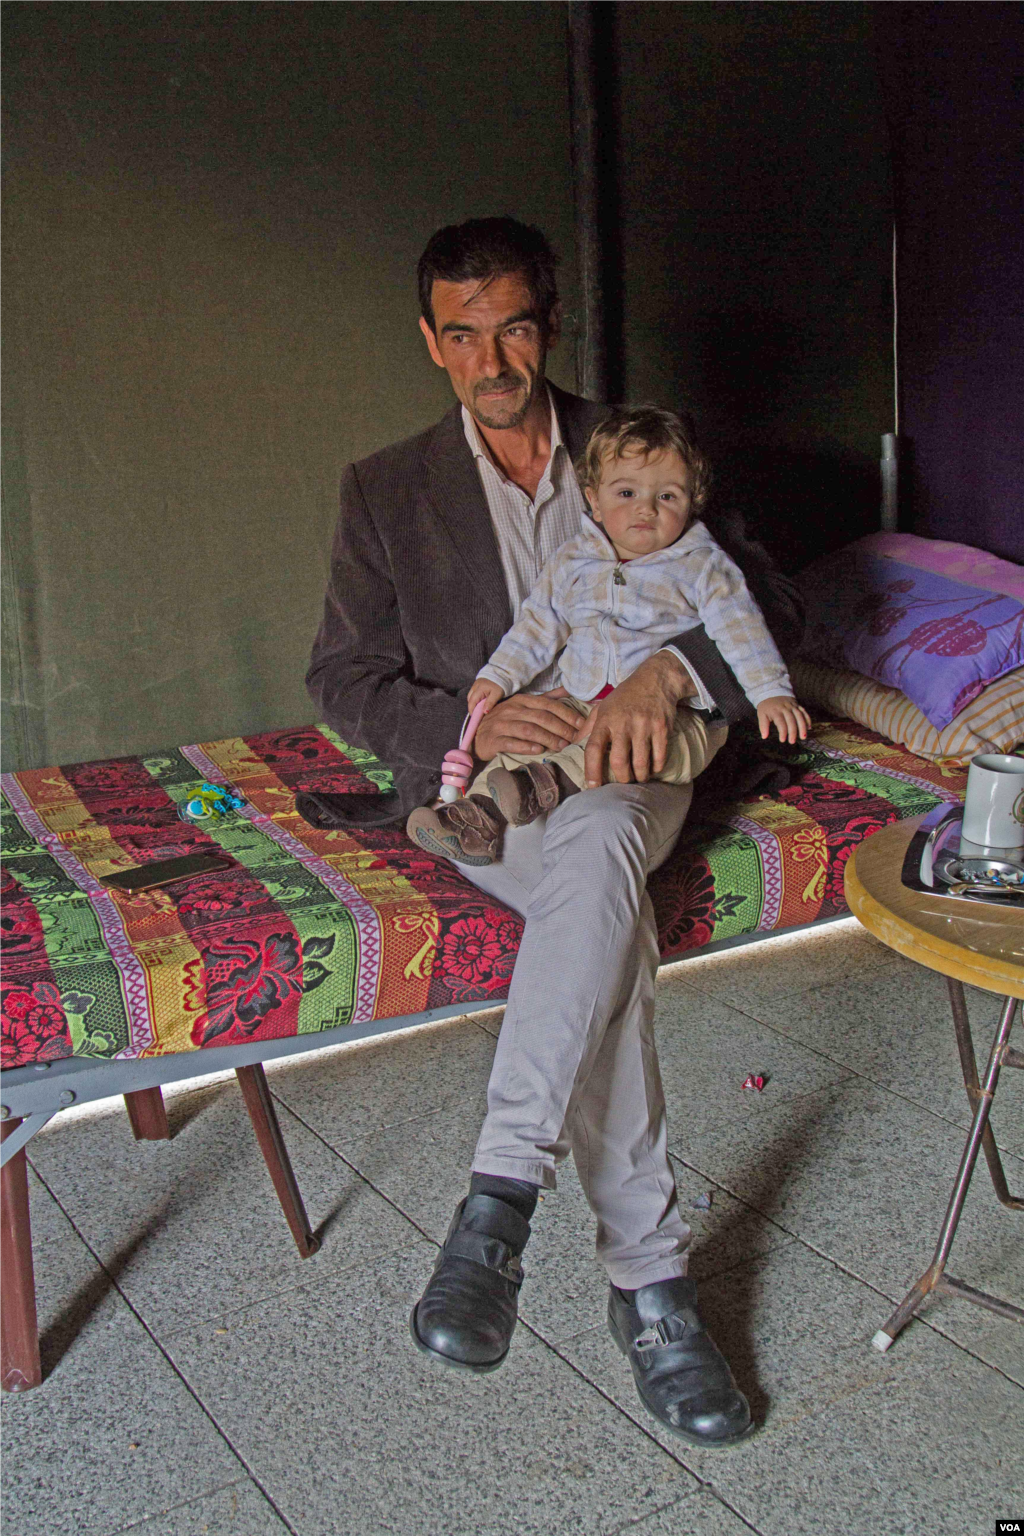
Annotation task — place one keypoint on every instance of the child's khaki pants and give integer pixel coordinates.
(691, 746)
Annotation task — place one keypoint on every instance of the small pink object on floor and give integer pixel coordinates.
(754, 1082)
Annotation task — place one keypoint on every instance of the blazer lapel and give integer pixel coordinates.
(457, 497)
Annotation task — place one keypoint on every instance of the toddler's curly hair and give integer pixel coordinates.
(645, 429)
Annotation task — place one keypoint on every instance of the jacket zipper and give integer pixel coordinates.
(618, 580)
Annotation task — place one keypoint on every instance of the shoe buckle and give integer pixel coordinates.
(512, 1270)
(652, 1338)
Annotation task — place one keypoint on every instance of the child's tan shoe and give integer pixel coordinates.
(431, 830)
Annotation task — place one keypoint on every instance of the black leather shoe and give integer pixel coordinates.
(467, 1313)
(680, 1372)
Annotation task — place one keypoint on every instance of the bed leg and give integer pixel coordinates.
(147, 1114)
(20, 1367)
(253, 1083)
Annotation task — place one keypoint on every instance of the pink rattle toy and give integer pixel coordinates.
(458, 763)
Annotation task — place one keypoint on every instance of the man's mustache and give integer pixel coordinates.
(506, 380)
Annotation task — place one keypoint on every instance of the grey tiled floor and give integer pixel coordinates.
(202, 1380)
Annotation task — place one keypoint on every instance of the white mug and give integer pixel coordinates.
(994, 807)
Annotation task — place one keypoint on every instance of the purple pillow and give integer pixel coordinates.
(937, 640)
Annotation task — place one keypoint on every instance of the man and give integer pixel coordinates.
(440, 538)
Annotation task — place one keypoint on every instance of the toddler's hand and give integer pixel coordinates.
(482, 689)
(789, 718)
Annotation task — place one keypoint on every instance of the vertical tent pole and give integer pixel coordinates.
(592, 351)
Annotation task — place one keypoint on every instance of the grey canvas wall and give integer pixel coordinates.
(213, 215)
(213, 219)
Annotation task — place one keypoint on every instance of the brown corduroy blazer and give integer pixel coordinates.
(417, 602)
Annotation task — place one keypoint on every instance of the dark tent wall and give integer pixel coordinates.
(213, 215)
(756, 236)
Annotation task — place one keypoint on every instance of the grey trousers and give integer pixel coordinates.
(576, 1066)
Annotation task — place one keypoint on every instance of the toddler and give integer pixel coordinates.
(642, 569)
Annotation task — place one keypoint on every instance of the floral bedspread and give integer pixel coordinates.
(314, 929)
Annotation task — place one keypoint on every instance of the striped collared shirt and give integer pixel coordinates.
(528, 532)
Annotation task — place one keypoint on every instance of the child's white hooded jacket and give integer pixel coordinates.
(606, 616)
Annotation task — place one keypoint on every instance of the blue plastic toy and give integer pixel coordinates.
(212, 803)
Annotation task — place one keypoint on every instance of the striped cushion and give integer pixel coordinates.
(993, 722)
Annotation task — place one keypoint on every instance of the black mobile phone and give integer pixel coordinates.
(163, 871)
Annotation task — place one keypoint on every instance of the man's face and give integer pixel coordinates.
(493, 344)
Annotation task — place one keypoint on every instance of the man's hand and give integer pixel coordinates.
(631, 726)
(789, 718)
(527, 722)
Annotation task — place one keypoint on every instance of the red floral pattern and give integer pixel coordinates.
(684, 903)
(115, 775)
(21, 928)
(21, 932)
(247, 979)
(508, 930)
(307, 760)
(295, 749)
(219, 896)
(470, 949)
(476, 955)
(840, 845)
(35, 1028)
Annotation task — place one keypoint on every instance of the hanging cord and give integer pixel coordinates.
(895, 345)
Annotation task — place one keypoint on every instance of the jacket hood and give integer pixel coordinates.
(600, 545)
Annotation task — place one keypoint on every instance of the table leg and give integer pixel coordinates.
(965, 1045)
(147, 1115)
(934, 1280)
(20, 1367)
(253, 1083)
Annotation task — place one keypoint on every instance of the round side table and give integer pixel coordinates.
(965, 940)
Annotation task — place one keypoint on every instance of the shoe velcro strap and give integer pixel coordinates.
(489, 1251)
(493, 1218)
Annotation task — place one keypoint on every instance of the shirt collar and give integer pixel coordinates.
(478, 450)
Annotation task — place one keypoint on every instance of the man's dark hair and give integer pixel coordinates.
(483, 248)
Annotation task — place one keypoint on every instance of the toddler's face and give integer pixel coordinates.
(643, 504)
